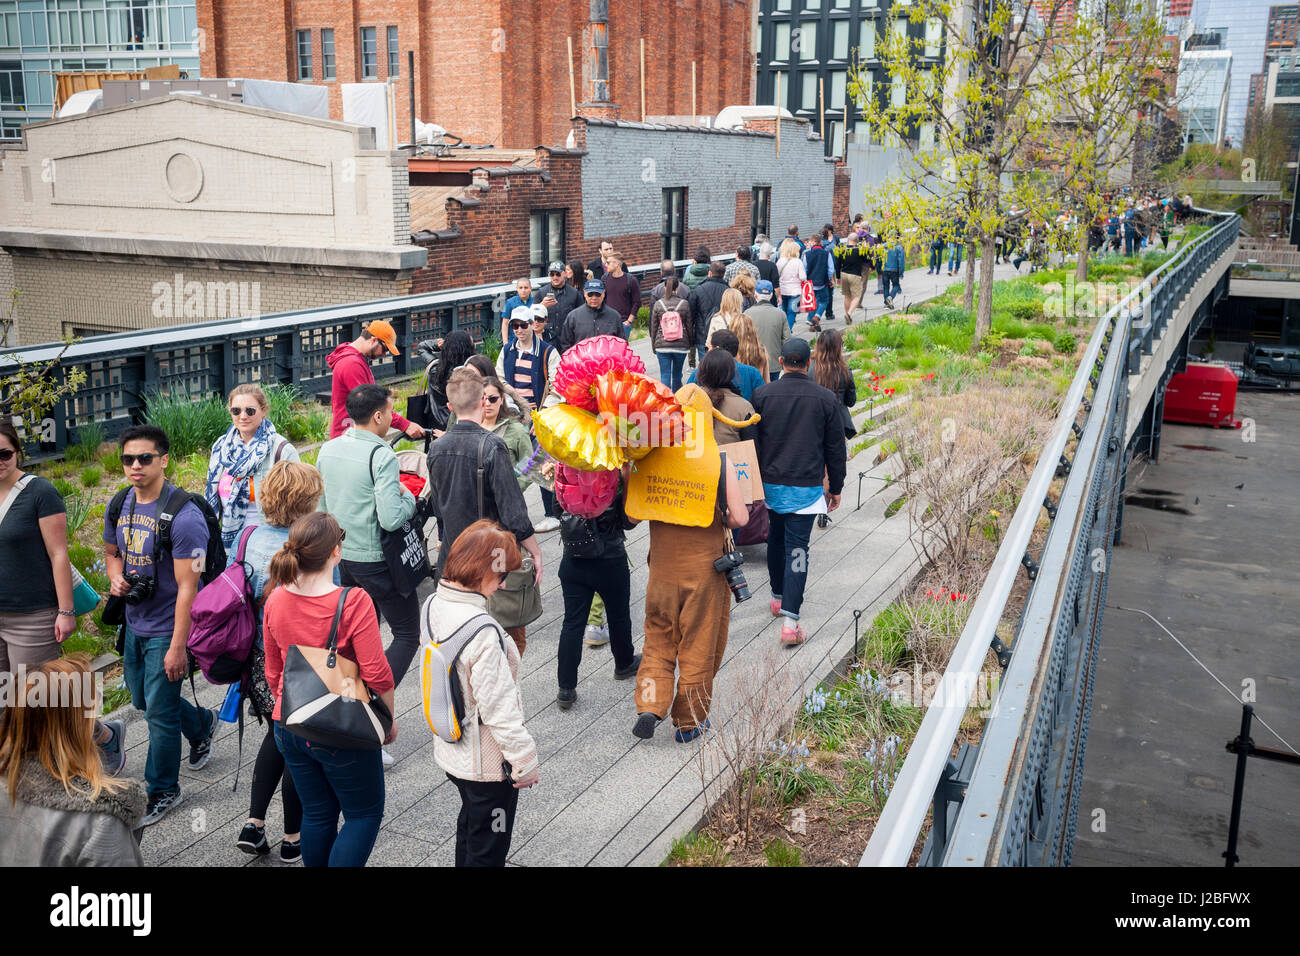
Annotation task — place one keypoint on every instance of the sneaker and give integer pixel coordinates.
(645, 726)
(252, 840)
(291, 852)
(386, 758)
(889, 302)
(595, 636)
(565, 697)
(686, 736)
(159, 805)
(113, 752)
(547, 524)
(792, 636)
(775, 605)
(201, 752)
(623, 673)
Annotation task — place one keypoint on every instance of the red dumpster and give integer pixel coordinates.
(1202, 395)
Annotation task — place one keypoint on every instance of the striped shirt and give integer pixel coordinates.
(523, 379)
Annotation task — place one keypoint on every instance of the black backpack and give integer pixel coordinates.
(173, 500)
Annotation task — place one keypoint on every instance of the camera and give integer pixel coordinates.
(729, 567)
(141, 588)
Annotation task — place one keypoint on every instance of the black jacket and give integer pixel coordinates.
(767, 270)
(705, 301)
(584, 322)
(800, 433)
(566, 300)
(453, 476)
(603, 534)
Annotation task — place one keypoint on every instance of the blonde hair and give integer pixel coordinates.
(52, 719)
(731, 306)
(744, 283)
(789, 249)
(751, 349)
(289, 491)
(248, 388)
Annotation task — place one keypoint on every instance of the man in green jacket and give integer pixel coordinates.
(363, 505)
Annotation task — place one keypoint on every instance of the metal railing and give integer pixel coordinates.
(1013, 799)
(209, 358)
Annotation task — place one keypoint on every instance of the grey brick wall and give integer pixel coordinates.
(626, 169)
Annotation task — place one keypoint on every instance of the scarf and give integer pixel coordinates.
(230, 456)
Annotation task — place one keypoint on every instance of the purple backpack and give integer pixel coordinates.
(224, 622)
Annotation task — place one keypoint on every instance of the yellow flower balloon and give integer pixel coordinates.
(576, 437)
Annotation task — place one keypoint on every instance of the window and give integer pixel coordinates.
(808, 101)
(870, 4)
(781, 46)
(783, 4)
(900, 34)
(545, 240)
(835, 133)
(867, 40)
(838, 82)
(840, 41)
(843, 4)
(673, 232)
(11, 83)
(304, 55)
(394, 57)
(807, 40)
(369, 53)
(327, 54)
(933, 36)
(898, 93)
(760, 209)
(812, 4)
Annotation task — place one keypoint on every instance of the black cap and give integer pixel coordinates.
(796, 352)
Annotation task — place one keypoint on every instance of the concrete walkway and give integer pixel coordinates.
(1212, 554)
(605, 797)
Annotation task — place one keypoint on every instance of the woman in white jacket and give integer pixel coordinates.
(496, 756)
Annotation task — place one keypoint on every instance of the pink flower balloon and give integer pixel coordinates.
(585, 493)
(575, 379)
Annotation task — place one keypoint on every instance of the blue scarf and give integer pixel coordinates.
(230, 456)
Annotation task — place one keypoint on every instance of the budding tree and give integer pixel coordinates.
(964, 93)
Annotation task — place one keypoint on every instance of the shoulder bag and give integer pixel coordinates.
(324, 700)
(518, 602)
(405, 553)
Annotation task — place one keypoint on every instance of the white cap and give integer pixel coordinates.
(521, 313)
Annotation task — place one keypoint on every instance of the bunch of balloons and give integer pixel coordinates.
(612, 414)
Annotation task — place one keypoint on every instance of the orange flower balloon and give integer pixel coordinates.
(641, 412)
(578, 439)
(575, 379)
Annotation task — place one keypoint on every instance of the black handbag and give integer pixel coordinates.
(324, 700)
(581, 537)
(404, 550)
(846, 418)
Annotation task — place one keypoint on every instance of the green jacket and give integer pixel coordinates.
(359, 505)
(512, 431)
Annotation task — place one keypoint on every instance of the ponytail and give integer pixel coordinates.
(312, 539)
(284, 568)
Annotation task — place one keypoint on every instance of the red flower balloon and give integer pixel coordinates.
(585, 493)
(575, 379)
(639, 411)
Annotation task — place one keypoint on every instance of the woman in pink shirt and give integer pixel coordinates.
(300, 610)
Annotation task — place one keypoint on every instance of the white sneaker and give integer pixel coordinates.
(547, 524)
(387, 758)
(595, 636)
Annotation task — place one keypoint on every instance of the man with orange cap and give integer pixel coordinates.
(351, 365)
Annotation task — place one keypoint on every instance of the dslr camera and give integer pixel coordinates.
(729, 567)
(141, 588)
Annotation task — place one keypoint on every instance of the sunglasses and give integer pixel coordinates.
(6, 454)
(556, 273)
(491, 399)
(145, 460)
(519, 325)
(236, 412)
(593, 295)
(343, 535)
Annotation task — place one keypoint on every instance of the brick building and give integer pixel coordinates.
(137, 216)
(495, 71)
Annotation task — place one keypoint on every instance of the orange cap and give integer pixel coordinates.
(384, 332)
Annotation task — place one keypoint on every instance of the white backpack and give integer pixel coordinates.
(444, 698)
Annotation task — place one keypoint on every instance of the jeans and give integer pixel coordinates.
(1130, 244)
(670, 368)
(401, 612)
(892, 286)
(580, 579)
(330, 779)
(548, 503)
(955, 249)
(787, 558)
(168, 714)
(936, 258)
(482, 835)
(791, 305)
(823, 300)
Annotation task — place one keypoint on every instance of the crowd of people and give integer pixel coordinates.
(315, 546)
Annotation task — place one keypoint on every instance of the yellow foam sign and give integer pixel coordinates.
(679, 484)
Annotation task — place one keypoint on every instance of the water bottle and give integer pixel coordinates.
(230, 706)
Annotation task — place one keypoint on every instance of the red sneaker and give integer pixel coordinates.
(776, 607)
(793, 636)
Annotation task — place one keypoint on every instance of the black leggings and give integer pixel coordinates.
(268, 772)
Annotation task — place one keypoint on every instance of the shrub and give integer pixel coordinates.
(1028, 349)
(956, 338)
(89, 437)
(82, 556)
(90, 475)
(1042, 330)
(1012, 329)
(991, 342)
(492, 345)
(886, 642)
(192, 424)
(781, 853)
(1065, 343)
(1026, 311)
(642, 318)
(110, 459)
(952, 315)
(64, 487)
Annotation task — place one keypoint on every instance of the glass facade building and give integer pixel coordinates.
(1243, 26)
(39, 38)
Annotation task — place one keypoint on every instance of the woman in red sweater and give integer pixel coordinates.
(300, 611)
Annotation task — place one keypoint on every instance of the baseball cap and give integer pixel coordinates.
(593, 285)
(384, 332)
(556, 266)
(796, 351)
(539, 312)
(763, 287)
(521, 313)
